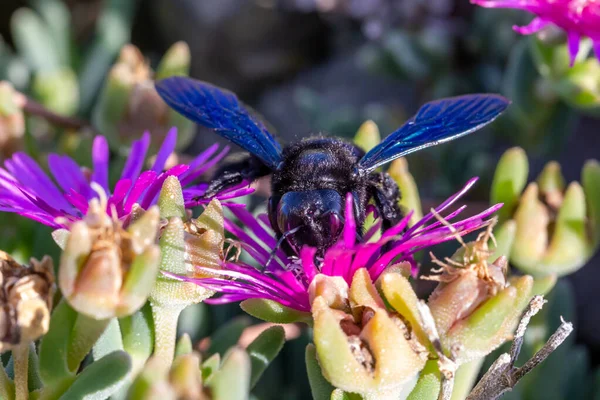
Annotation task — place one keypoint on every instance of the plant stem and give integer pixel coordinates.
(165, 331)
(21, 364)
(85, 334)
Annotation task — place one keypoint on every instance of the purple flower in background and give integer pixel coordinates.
(25, 189)
(577, 17)
(286, 280)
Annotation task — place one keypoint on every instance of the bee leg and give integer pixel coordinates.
(247, 169)
(386, 194)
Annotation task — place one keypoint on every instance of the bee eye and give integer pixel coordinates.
(333, 222)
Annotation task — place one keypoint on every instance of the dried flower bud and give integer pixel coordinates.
(12, 121)
(26, 298)
(361, 347)
(106, 270)
(556, 226)
(474, 307)
(129, 104)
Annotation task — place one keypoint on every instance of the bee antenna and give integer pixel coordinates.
(280, 241)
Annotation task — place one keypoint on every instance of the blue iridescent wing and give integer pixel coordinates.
(436, 122)
(220, 110)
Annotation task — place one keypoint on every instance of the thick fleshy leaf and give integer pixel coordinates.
(210, 367)
(339, 394)
(505, 237)
(176, 61)
(184, 345)
(34, 41)
(33, 370)
(272, 311)
(509, 181)
(86, 331)
(170, 200)
(109, 342)
(53, 346)
(101, 378)
(569, 248)
(232, 381)
(590, 179)
(367, 136)
(429, 383)
(401, 296)
(138, 335)
(410, 199)
(263, 350)
(321, 389)
(228, 335)
(465, 379)
(543, 285)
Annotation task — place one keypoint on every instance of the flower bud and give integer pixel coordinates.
(12, 121)
(106, 270)
(474, 307)
(129, 104)
(185, 244)
(410, 199)
(363, 348)
(26, 299)
(555, 225)
(367, 136)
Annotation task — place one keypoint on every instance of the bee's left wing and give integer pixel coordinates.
(220, 110)
(436, 122)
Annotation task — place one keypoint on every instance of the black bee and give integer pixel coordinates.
(311, 178)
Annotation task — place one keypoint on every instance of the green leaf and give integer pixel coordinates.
(210, 367)
(509, 181)
(58, 20)
(590, 179)
(232, 381)
(272, 311)
(429, 383)
(465, 378)
(34, 41)
(101, 378)
(263, 350)
(110, 340)
(113, 30)
(227, 335)
(138, 335)
(7, 387)
(184, 345)
(86, 332)
(53, 346)
(339, 394)
(34, 379)
(321, 389)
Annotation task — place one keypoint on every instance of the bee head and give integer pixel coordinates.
(316, 218)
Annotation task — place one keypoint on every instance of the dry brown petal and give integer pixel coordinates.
(25, 299)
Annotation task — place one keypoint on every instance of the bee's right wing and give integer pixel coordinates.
(436, 122)
(220, 110)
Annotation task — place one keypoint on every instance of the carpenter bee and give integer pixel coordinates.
(311, 178)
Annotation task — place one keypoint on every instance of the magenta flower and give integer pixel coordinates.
(577, 17)
(286, 280)
(25, 189)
